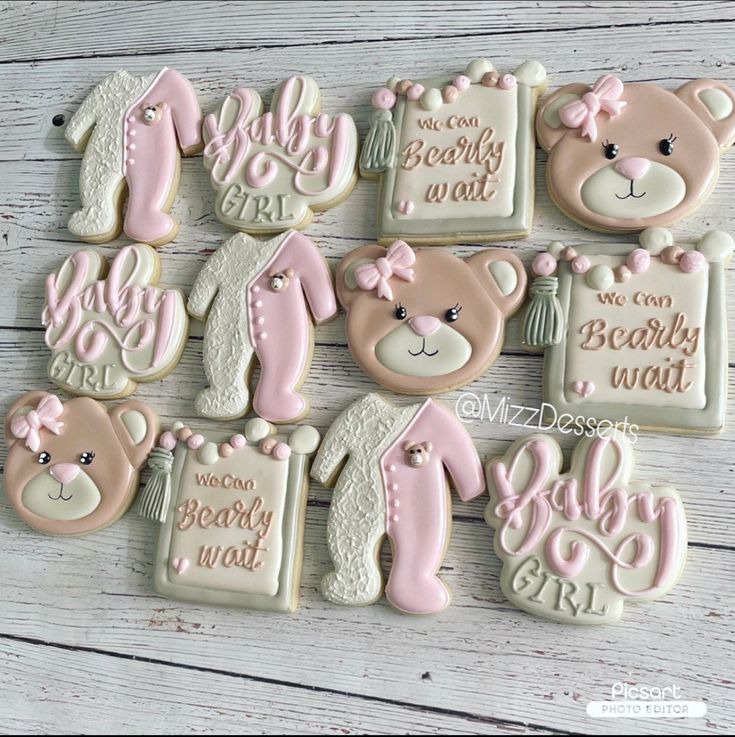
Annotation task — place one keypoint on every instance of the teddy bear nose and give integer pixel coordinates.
(64, 473)
(633, 167)
(424, 325)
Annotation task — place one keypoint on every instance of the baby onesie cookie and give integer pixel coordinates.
(627, 157)
(231, 510)
(455, 155)
(106, 333)
(256, 296)
(636, 335)
(425, 321)
(132, 130)
(272, 171)
(576, 546)
(72, 466)
(393, 483)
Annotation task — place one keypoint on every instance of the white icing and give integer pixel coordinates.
(654, 240)
(208, 454)
(357, 516)
(304, 440)
(136, 424)
(531, 73)
(45, 496)
(101, 173)
(716, 245)
(662, 189)
(257, 429)
(717, 102)
(477, 68)
(448, 351)
(551, 111)
(505, 276)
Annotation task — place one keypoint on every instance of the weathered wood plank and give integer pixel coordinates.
(49, 30)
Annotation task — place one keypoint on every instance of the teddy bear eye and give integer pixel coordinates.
(452, 313)
(44, 458)
(401, 312)
(87, 457)
(666, 145)
(611, 149)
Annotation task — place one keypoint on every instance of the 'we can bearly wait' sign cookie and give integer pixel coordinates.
(455, 155)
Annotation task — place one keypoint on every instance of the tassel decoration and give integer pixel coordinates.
(155, 497)
(379, 149)
(543, 320)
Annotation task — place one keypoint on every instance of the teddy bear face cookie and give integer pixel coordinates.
(425, 321)
(72, 467)
(455, 154)
(624, 157)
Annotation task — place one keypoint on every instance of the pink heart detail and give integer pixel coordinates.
(405, 207)
(583, 388)
(180, 564)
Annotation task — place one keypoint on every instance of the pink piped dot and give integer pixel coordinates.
(225, 450)
(449, 93)
(256, 288)
(131, 146)
(167, 440)
(462, 82)
(281, 451)
(415, 91)
(257, 303)
(131, 132)
(544, 264)
(394, 518)
(507, 82)
(184, 433)
(131, 119)
(383, 99)
(267, 445)
(259, 320)
(638, 261)
(262, 335)
(238, 441)
(131, 162)
(581, 265)
(568, 254)
(403, 86)
(692, 261)
(195, 441)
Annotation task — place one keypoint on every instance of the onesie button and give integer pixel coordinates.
(256, 288)
(131, 147)
(394, 518)
(262, 336)
(392, 467)
(131, 132)
(131, 162)
(259, 320)
(396, 503)
(257, 303)
(393, 487)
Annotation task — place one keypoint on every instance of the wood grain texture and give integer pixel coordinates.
(86, 645)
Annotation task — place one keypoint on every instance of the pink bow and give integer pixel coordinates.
(396, 262)
(603, 96)
(28, 426)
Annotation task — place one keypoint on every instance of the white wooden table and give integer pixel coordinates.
(85, 644)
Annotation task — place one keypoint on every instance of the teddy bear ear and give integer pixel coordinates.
(21, 406)
(714, 104)
(136, 426)
(407, 445)
(549, 128)
(503, 276)
(428, 446)
(346, 284)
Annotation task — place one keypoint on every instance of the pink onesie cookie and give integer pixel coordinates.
(132, 130)
(256, 297)
(394, 483)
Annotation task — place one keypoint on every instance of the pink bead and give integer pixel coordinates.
(581, 265)
(184, 433)
(225, 450)
(449, 93)
(490, 79)
(267, 445)
(195, 441)
(622, 273)
(544, 264)
(462, 82)
(238, 441)
(282, 451)
(403, 86)
(568, 254)
(415, 91)
(383, 99)
(671, 254)
(638, 261)
(507, 82)
(167, 440)
(691, 261)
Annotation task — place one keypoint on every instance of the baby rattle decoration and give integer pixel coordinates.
(576, 546)
(271, 171)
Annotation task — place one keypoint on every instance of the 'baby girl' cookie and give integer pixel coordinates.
(425, 321)
(132, 130)
(231, 510)
(272, 171)
(636, 335)
(455, 155)
(106, 333)
(623, 157)
(256, 296)
(73, 467)
(393, 483)
(576, 546)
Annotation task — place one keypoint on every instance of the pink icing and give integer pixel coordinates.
(238, 441)
(638, 261)
(282, 451)
(544, 264)
(383, 99)
(461, 82)
(599, 499)
(168, 440)
(415, 91)
(287, 132)
(142, 316)
(195, 441)
(507, 82)
(692, 261)
(581, 265)
(604, 96)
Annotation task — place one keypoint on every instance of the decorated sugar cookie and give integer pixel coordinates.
(271, 171)
(394, 483)
(132, 131)
(577, 546)
(636, 335)
(73, 466)
(624, 157)
(425, 321)
(455, 155)
(231, 510)
(107, 333)
(256, 296)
